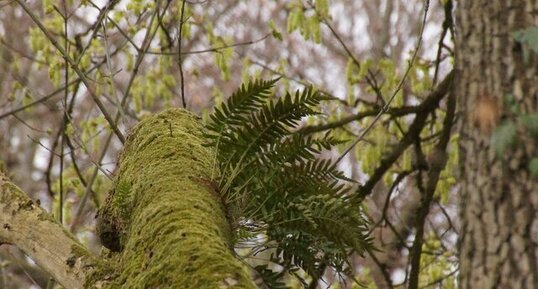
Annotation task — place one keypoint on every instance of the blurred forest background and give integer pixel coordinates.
(57, 144)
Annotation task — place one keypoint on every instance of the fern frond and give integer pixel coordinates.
(271, 122)
(232, 113)
(271, 279)
(294, 148)
(274, 177)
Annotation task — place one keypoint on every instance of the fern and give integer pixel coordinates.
(246, 98)
(271, 175)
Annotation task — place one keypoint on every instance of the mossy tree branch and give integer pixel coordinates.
(164, 219)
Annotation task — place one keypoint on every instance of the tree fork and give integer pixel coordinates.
(163, 222)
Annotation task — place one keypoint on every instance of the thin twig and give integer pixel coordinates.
(397, 112)
(447, 25)
(428, 105)
(179, 60)
(22, 53)
(95, 27)
(43, 99)
(66, 117)
(120, 30)
(77, 70)
(145, 45)
(28, 125)
(398, 88)
(140, 57)
(382, 268)
(55, 92)
(214, 49)
(111, 74)
(297, 80)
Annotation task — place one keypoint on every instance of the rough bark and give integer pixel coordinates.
(31, 229)
(164, 217)
(499, 198)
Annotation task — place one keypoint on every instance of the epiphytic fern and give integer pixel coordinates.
(283, 191)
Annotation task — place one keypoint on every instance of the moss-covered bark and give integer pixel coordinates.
(163, 217)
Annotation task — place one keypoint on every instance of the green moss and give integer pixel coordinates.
(13, 195)
(78, 251)
(102, 271)
(19, 201)
(171, 227)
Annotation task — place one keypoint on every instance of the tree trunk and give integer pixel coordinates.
(499, 197)
(164, 216)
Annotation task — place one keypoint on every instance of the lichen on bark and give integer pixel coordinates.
(39, 236)
(171, 229)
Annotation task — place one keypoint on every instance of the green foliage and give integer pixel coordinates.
(282, 190)
(509, 133)
(307, 24)
(529, 38)
(139, 6)
(274, 30)
(503, 137)
(389, 131)
(270, 277)
(446, 179)
(370, 153)
(419, 77)
(224, 55)
(89, 130)
(533, 167)
(530, 121)
(438, 264)
(322, 7)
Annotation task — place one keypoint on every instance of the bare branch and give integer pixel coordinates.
(179, 59)
(31, 229)
(398, 87)
(397, 111)
(77, 70)
(437, 162)
(427, 106)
